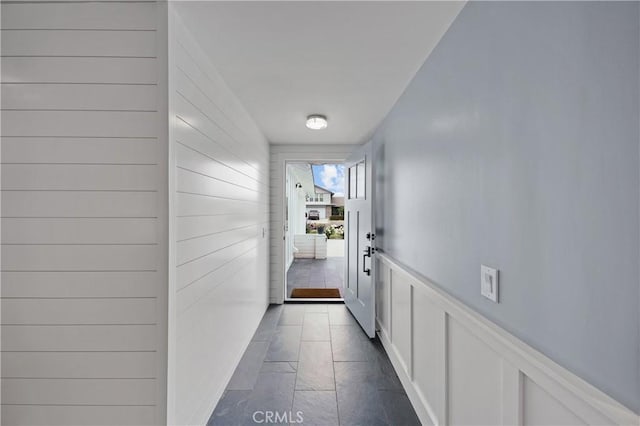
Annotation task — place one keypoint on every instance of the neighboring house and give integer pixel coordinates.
(324, 202)
(337, 205)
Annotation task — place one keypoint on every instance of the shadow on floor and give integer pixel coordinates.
(312, 364)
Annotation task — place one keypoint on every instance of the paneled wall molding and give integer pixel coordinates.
(460, 368)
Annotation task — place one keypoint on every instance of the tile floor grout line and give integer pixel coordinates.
(385, 411)
(333, 362)
(295, 382)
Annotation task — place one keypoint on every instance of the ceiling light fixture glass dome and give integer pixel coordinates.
(317, 122)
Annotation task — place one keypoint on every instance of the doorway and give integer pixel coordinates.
(314, 231)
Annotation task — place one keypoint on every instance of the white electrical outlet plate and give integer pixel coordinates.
(489, 283)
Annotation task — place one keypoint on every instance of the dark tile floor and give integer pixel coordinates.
(316, 273)
(315, 359)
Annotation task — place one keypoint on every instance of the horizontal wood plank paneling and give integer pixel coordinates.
(306, 245)
(202, 205)
(79, 177)
(78, 311)
(193, 182)
(223, 109)
(79, 257)
(83, 215)
(195, 161)
(79, 70)
(56, 415)
(198, 268)
(83, 1)
(220, 230)
(74, 203)
(69, 285)
(468, 370)
(65, 150)
(46, 16)
(80, 392)
(196, 248)
(104, 97)
(185, 129)
(101, 338)
(134, 44)
(199, 289)
(201, 226)
(79, 365)
(78, 231)
(124, 124)
(191, 76)
(214, 123)
(234, 291)
(190, 115)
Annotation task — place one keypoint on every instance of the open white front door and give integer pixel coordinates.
(359, 294)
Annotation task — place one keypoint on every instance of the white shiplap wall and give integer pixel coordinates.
(280, 155)
(83, 222)
(220, 222)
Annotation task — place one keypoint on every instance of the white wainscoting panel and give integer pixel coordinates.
(401, 325)
(458, 368)
(473, 378)
(540, 408)
(429, 365)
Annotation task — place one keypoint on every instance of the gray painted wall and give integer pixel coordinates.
(516, 146)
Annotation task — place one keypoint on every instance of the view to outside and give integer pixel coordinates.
(315, 238)
(325, 209)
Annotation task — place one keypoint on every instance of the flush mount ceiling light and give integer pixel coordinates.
(316, 122)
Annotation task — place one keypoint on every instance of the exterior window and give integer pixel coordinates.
(360, 185)
(318, 198)
(357, 181)
(352, 181)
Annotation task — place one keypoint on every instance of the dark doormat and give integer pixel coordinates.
(315, 293)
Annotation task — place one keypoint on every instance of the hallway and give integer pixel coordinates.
(475, 166)
(314, 359)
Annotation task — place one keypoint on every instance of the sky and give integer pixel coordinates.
(330, 176)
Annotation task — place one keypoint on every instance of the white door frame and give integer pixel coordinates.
(280, 156)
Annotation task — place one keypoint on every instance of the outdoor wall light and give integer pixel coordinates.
(317, 122)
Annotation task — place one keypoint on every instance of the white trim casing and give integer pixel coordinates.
(280, 155)
(459, 368)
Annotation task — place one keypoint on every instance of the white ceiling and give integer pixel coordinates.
(348, 60)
